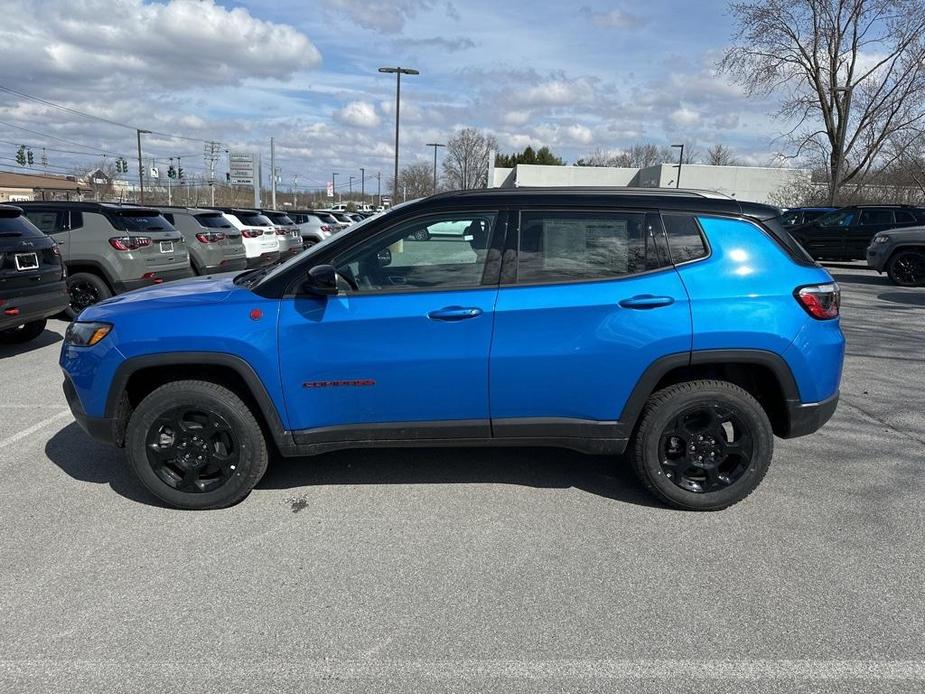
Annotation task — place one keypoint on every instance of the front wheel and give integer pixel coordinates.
(702, 445)
(907, 268)
(196, 445)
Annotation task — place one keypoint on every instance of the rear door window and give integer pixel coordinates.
(685, 238)
(876, 216)
(905, 217)
(578, 246)
(48, 221)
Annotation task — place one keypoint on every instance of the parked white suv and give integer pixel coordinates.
(258, 233)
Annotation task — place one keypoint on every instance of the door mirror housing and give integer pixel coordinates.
(385, 257)
(321, 280)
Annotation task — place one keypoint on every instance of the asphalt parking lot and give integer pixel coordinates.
(476, 570)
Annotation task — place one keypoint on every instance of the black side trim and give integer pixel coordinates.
(589, 446)
(645, 386)
(805, 419)
(130, 366)
(392, 431)
(556, 427)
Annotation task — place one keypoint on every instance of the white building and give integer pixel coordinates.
(750, 183)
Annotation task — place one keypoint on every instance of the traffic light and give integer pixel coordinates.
(171, 172)
(29, 157)
(21, 155)
(180, 174)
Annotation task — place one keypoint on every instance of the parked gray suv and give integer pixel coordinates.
(109, 248)
(214, 244)
(901, 254)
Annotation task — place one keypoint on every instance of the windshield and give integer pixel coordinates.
(252, 219)
(213, 221)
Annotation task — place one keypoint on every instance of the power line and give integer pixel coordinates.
(55, 137)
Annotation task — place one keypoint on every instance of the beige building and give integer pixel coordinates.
(750, 183)
(20, 187)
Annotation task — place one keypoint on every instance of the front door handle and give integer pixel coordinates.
(455, 313)
(646, 301)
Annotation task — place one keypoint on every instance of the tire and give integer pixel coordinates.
(421, 235)
(84, 289)
(907, 268)
(308, 243)
(24, 333)
(217, 424)
(735, 455)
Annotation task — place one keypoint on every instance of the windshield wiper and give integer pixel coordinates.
(251, 277)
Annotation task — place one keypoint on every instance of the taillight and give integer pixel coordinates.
(210, 236)
(129, 243)
(252, 233)
(55, 249)
(821, 301)
(328, 228)
(282, 232)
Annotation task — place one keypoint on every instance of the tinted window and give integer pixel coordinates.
(810, 215)
(904, 217)
(16, 226)
(788, 219)
(876, 216)
(574, 246)
(684, 237)
(839, 218)
(409, 256)
(279, 218)
(139, 220)
(253, 219)
(50, 222)
(212, 221)
(169, 217)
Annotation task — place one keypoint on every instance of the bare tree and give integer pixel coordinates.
(465, 165)
(852, 72)
(414, 181)
(637, 156)
(721, 155)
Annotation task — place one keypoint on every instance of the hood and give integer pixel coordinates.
(904, 234)
(196, 291)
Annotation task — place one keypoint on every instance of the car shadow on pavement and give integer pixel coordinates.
(48, 337)
(86, 460)
(877, 280)
(544, 468)
(547, 468)
(911, 298)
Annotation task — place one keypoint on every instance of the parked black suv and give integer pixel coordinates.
(846, 233)
(32, 278)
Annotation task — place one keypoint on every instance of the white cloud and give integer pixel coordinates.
(359, 114)
(559, 92)
(612, 19)
(685, 116)
(580, 134)
(516, 118)
(183, 43)
(385, 16)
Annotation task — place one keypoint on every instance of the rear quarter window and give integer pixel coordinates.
(685, 238)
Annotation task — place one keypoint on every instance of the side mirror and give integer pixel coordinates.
(322, 280)
(385, 257)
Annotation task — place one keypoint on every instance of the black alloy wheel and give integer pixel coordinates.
(907, 268)
(192, 449)
(706, 448)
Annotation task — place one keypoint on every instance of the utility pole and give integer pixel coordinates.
(334, 186)
(398, 72)
(435, 145)
(677, 183)
(379, 188)
(350, 183)
(273, 173)
(363, 185)
(210, 153)
(141, 167)
(169, 187)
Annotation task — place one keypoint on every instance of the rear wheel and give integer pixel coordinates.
(421, 235)
(907, 268)
(702, 445)
(24, 333)
(196, 445)
(84, 289)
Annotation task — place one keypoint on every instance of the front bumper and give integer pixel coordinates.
(19, 308)
(100, 428)
(809, 417)
(159, 278)
(877, 257)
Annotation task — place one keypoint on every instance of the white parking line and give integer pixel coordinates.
(34, 428)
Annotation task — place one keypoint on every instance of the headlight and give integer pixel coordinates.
(86, 334)
(881, 239)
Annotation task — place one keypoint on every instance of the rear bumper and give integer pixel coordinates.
(158, 278)
(809, 417)
(226, 266)
(18, 310)
(100, 428)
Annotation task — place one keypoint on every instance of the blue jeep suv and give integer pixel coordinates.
(684, 328)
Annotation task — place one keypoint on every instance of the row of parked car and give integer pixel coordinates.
(60, 257)
(891, 238)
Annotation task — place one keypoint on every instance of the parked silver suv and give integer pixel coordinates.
(109, 248)
(214, 244)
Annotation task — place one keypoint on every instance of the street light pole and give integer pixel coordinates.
(398, 72)
(334, 186)
(435, 145)
(141, 167)
(363, 185)
(350, 183)
(677, 183)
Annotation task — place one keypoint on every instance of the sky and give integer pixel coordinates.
(574, 76)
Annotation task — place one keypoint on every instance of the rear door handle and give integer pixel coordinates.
(455, 313)
(646, 301)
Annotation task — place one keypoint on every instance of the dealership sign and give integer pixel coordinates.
(241, 166)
